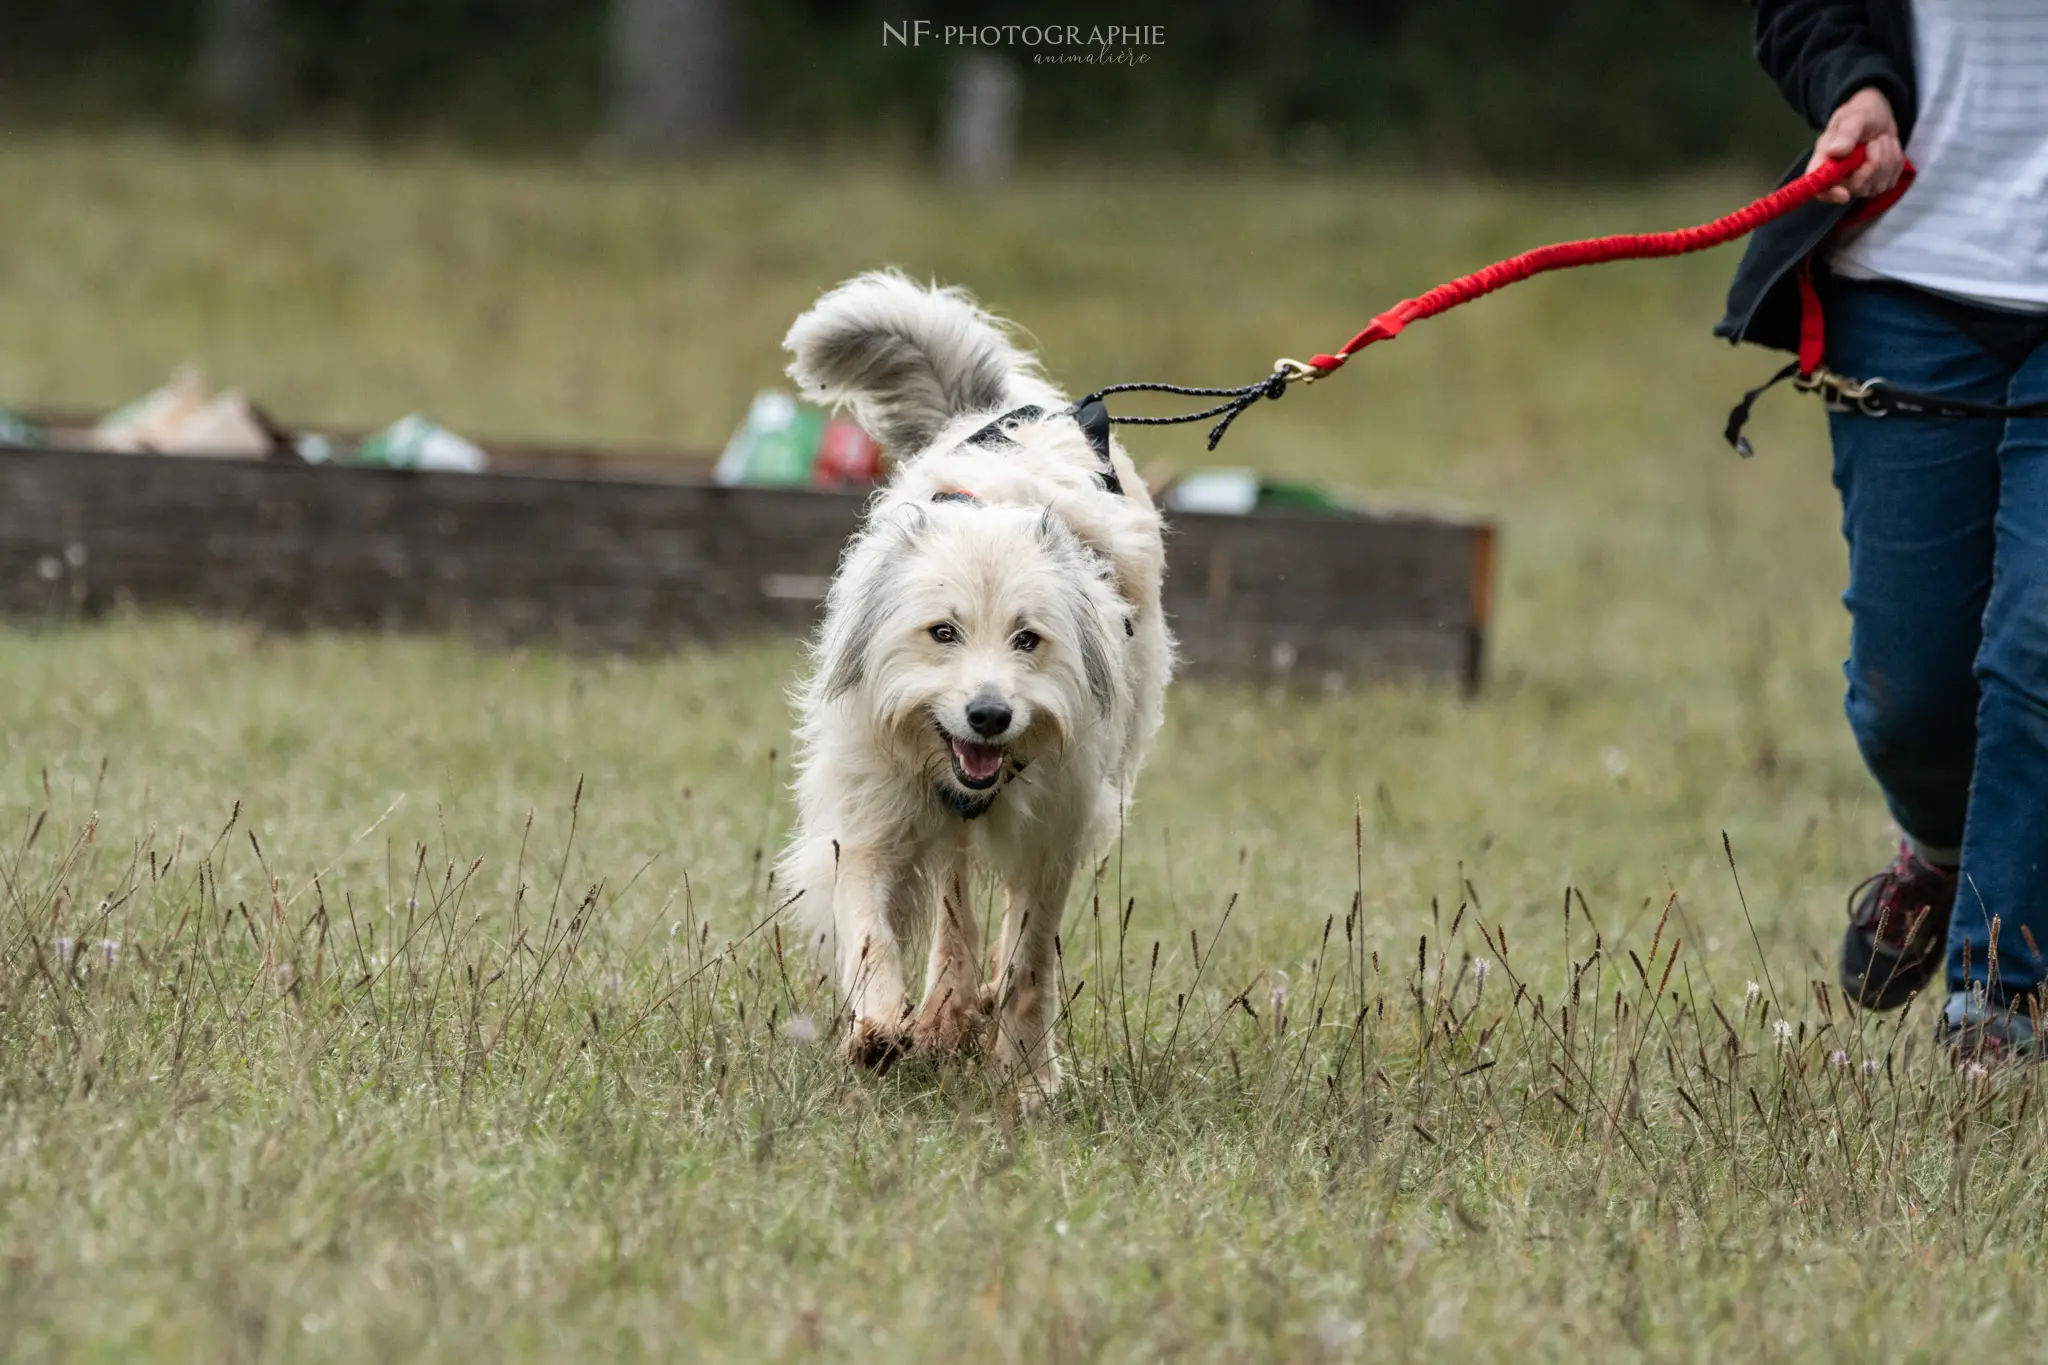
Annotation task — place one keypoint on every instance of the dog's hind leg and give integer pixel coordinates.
(1026, 987)
(870, 956)
(953, 1011)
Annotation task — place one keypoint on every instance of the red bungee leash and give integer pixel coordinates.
(1625, 247)
(1558, 256)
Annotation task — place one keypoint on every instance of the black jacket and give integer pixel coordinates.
(1819, 52)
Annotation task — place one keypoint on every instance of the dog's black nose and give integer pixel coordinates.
(988, 716)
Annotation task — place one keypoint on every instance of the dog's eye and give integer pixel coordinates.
(1025, 640)
(945, 633)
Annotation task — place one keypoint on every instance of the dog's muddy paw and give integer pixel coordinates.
(875, 1045)
(949, 1027)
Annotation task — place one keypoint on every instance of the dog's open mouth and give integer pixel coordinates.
(976, 766)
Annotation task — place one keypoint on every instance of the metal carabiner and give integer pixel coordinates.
(1298, 370)
(1844, 394)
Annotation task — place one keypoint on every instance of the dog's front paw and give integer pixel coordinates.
(1036, 1087)
(950, 1024)
(1030, 1074)
(875, 1045)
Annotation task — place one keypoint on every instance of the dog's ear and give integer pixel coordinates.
(842, 652)
(905, 358)
(1095, 665)
(1080, 564)
(862, 595)
(1059, 539)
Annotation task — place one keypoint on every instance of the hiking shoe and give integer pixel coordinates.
(1898, 929)
(1974, 1030)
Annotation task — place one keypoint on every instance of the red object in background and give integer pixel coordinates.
(846, 454)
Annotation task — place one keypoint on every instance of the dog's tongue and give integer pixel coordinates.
(977, 760)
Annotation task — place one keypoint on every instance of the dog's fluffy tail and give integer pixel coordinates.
(908, 359)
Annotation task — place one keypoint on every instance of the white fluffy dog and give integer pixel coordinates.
(990, 670)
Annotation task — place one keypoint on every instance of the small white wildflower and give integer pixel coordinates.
(110, 952)
(63, 949)
(1783, 1028)
(675, 929)
(1976, 1071)
(800, 1028)
(1869, 1067)
(1752, 993)
(1838, 1058)
(1616, 763)
(1060, 1228)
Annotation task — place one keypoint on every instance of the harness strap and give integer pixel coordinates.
(1872, 398)
(1089, 414)
(1738, 416)
(1876, 398)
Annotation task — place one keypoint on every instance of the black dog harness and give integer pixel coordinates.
(1090, 413)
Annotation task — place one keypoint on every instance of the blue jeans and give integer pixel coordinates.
(1947, 524)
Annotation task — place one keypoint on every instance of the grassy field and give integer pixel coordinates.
(368, 998)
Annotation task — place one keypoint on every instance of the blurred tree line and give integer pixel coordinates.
(1531, 87)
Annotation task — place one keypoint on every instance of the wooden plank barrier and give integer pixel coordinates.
(605, 556)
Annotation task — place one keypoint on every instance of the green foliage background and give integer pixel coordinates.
(1563, 87)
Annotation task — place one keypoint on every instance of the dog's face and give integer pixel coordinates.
(981, 639)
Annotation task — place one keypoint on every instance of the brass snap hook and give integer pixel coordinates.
(1298, 370)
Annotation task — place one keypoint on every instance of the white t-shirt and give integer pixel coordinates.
(1975, 223)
